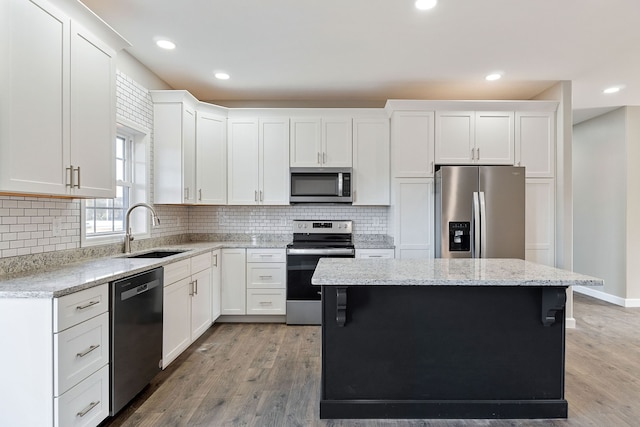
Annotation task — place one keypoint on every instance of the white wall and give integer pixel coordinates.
(633, 202)
(599, 176)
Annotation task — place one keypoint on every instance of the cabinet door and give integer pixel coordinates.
(34, 140)
(243, 162)
(535, 143)
(455, 137)
(274, 166)
(189, 154)
(412, 136)
(540, 221)
(413, 217)
(167, 152)
(216, 262)
(233, 292)
(494, 137)
(211, 159)
(200, 303)
(337, 142)
(176, 323)
(305, 142)
(93, 115)
(371, 181)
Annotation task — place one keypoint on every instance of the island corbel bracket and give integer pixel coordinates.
(341, 306)
(553, 300)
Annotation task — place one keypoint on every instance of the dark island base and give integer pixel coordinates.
(442, 352)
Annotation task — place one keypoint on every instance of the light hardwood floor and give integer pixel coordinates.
(269, 375)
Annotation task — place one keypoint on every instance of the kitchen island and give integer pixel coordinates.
(443, 338)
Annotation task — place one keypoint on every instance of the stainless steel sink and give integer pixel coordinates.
(156, 254)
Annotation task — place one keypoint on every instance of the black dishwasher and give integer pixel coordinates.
(136, 335)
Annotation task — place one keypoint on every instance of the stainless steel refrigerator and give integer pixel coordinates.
(480, 212)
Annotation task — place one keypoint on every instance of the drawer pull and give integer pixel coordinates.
(266, 303)
(87, 305)
(87, 351)
(266, 255)
(86, 410)
(266, 277)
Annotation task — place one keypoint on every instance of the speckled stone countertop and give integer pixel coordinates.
(444, 272)
(62, 280)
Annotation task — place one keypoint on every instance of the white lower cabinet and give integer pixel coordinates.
(186, 304)
(254, 282)
(86, 404)
(375, 253)
(413, 217)
(216, 281)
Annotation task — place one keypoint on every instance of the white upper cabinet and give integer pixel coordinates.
(57, 128)
(474, 137)
(412, 141)
(258, 151)
(371, 180)
(211, 158)
(189, 149)
(321, 142)
(535, 143)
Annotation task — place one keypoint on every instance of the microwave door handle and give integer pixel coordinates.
(339, 183)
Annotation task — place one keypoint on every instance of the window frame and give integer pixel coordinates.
(140, 170)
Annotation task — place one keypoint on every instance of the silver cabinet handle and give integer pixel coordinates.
(266, 277)
(319, 161)
(255, 195)
(86, 410)
(186, 193)
(215, 260)
(324, 157)
(473, 154)
(196, 287)
(266, 303)
(266, 255)
(200, 194)
(261, 195)
(478, 153)
(191, 289)
(87, 305)
(77, 185)
(70, 180)
(433, 168)
(87, 351)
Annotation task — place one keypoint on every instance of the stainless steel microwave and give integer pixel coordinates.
(320, 185)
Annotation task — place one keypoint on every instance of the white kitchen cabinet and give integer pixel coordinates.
(216, 281)
(540, 221)
(412, 142)
(321, 142)
(371, 163)
(535, 147)
(258, 150)
(174, 142)
(375, 253)
(59, 363)
(211, 157)
(57, 128)
(413, 217)
(234, 291)
(266, 281)
(474, 137)
(186, 304)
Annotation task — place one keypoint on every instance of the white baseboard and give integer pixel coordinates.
(613, 299)
(570, 323)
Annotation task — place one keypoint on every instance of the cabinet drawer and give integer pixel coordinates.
(86, 404)
(266, 275)
(266, 301)
(266, 255)
(177, 271)
(200, 262)
(72, 309)
(79, 352)
(375, 253)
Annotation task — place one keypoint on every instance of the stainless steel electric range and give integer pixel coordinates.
(312, 240)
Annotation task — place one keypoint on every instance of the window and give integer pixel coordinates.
(103, 219)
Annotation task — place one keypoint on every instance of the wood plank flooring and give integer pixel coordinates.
(269, 375)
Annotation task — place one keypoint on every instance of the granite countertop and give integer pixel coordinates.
(70, 278)
(444, 272)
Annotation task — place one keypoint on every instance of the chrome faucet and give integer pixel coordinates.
(128, 238)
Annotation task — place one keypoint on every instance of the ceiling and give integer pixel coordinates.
(363, 52)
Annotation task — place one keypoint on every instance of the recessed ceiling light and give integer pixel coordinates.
(166, 44)
(613, 89)
(222, 76)
(493, 76)
(426, 4)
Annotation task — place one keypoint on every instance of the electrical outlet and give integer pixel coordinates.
(56, 227)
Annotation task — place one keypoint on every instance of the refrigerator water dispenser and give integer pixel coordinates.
(459, 236)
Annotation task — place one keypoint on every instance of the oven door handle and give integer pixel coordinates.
(332, 251)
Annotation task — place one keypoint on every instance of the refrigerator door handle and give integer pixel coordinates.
(483, 226)
(475, 247)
